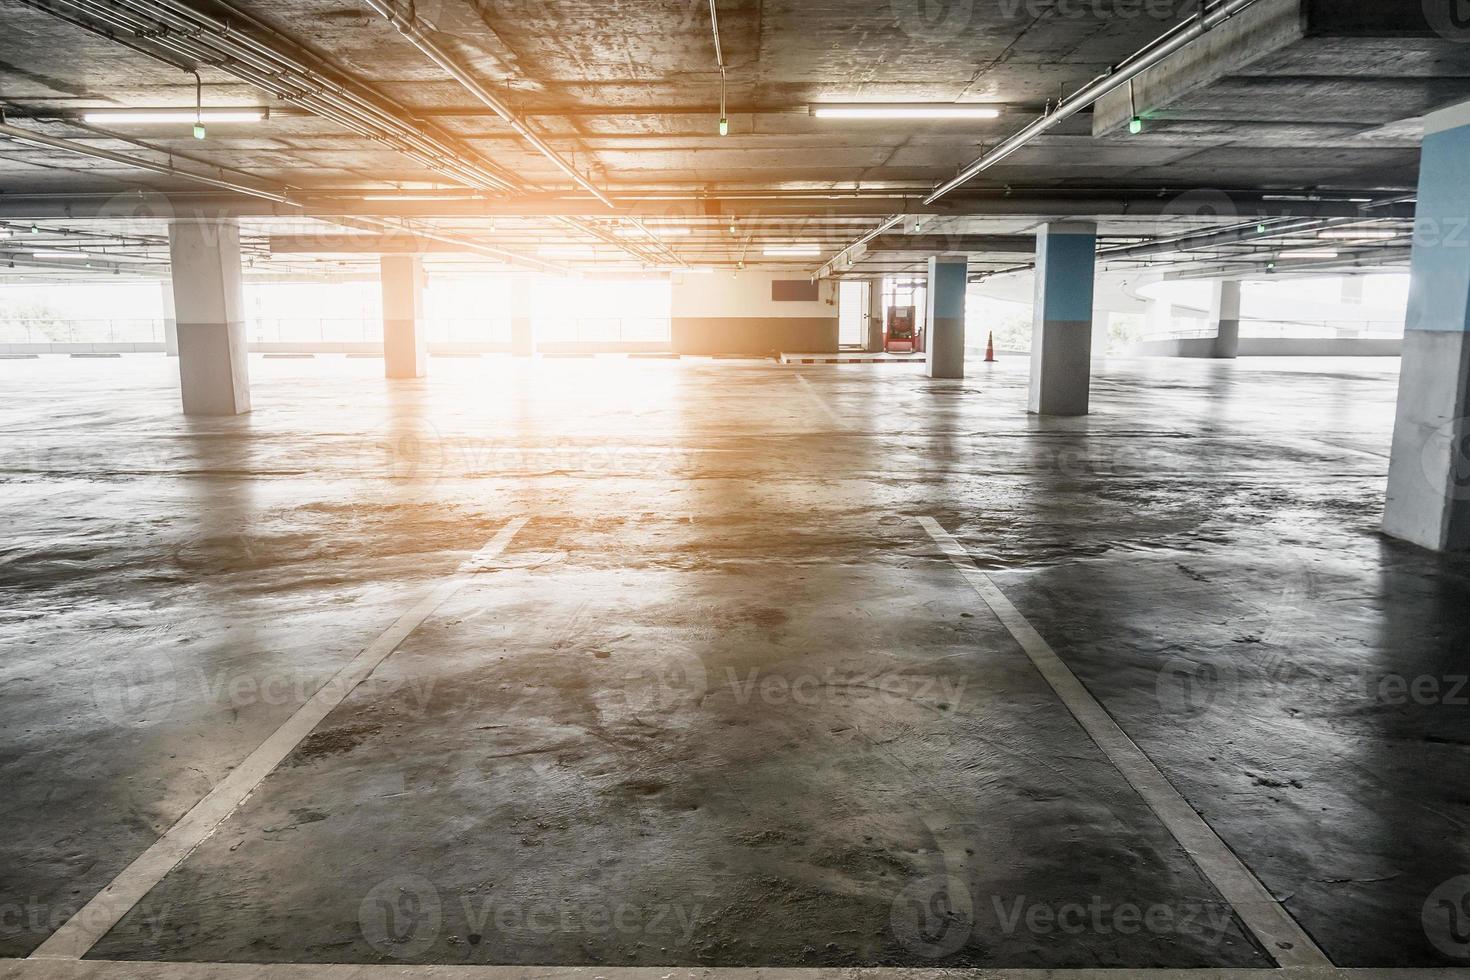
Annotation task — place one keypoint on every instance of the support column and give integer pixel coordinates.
(1061, 338)
(877, 315)
(522, 336)
(405, 344)
(1225, 315)
(1429, 470)
(170, 320)
(944, 354)
(210, 308)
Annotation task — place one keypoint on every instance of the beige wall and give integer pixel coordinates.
(721, 313)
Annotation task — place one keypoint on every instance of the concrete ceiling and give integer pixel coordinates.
(628, 93)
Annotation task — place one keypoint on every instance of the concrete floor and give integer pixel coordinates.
(722, 701)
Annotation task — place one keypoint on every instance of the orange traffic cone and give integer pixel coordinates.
(990, 347)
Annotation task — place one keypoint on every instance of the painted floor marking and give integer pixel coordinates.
(95, 919)
(1275, 929)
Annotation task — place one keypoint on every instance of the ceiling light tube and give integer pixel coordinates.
(794, 250)
(658, 231)
(176, 116)
(1347, 234)
(904, 110)
(1310, 253)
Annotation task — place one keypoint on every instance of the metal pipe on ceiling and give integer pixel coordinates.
(198, 37)
(1119, 75)
(71, 146)
(409, 29)
(20, 135)
(1116, 77)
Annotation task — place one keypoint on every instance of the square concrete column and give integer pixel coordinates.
(1061, 338)
(944, 354)
(170, 320)
(522, 333)
(877, 315)
(1225, 315)
(405, 344)
(1429, 470)
(209, 304)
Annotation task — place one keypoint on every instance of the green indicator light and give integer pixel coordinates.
(199, 131)
(724, 126)
(1135, 125)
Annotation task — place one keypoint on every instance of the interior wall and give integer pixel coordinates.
(727, 313)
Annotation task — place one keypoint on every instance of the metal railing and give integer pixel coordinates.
(101, 330)
(338, 330)
(1193, 328)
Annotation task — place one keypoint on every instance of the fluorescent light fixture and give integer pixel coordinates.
(1310, 253)
(909, 110)
(410, 196)
(658, 232)
(54, 253)
(792, 250)
(697, 270)
(180, 116)
(1347, 234)
(4, 232)
(562, 251)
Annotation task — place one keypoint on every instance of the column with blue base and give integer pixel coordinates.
(944, 350)
(1061, 336)
(1429, 471)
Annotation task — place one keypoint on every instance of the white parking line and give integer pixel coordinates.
(93, 921)
(1275, 929)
